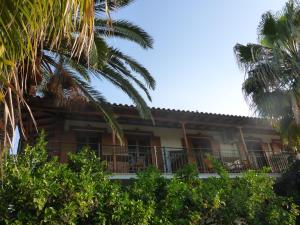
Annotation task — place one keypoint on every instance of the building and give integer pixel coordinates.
(173, 139)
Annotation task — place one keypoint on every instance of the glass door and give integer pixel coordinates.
(139, 151)
(202, 147)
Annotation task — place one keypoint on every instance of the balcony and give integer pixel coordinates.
(132, 159)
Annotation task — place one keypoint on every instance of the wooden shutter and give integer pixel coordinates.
(68, 145)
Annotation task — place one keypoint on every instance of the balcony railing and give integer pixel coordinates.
(131, 159)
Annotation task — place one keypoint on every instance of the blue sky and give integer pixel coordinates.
(192, 60)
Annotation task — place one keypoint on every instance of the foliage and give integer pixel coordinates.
(186, 199)
(272, 83)
(68, 79)
(26, 26)
(288, 184)
(38, 190)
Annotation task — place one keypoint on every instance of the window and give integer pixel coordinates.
(201, 144)
(89, 139)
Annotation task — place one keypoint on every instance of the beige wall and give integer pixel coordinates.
(169, 137)
(263, 137)
(172, 138)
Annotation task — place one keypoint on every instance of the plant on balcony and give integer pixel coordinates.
(272, 71)
(36, 189)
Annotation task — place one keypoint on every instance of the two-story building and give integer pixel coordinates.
(174, 139)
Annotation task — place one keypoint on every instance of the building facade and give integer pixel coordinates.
(172, 139)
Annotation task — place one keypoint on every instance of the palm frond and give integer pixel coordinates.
(78, 67)
(125, 30)
(97, 99)
(119, 81)
(119, 66)
(272, 69)
(135, 66)
(26, 26)
(101, 5)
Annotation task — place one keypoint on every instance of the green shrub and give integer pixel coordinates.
(186, 199)
(289, 184)
(38, 190)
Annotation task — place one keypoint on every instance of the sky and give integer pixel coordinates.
(192, 60)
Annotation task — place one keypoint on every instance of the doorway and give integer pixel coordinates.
(256, 153)
(202, 148)
(139, 151)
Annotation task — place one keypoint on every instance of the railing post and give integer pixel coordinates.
(114, 152)
(155, 156)
(221, 158)
(1, 150)
(164, 157)
(114, 159)
(267, 155)
(190, 157)
(99, 150)
(244, 146)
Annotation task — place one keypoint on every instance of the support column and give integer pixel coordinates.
(114, 152)
(184, 135)
(188, 151)
(155, 156)
(59, 137)
(269, 154)
(245, 149)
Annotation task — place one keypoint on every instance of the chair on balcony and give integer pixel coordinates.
(140, 163)
(137, 164)
(208, 165)
(235, 166)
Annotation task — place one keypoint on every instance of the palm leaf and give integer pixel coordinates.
(97, 99)
(125, 30)
(119, 81)
(135, 66)
(272, 69)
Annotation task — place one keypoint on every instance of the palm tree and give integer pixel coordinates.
(25, 27)
(68, 78)
(272, 67)
(68, 54)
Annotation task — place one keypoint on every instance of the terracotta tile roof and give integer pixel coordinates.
(166, 110)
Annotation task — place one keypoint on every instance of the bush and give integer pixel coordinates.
(186, 199)
(39, 190)
(289, 184)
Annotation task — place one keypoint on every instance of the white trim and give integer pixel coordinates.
(127, 176)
